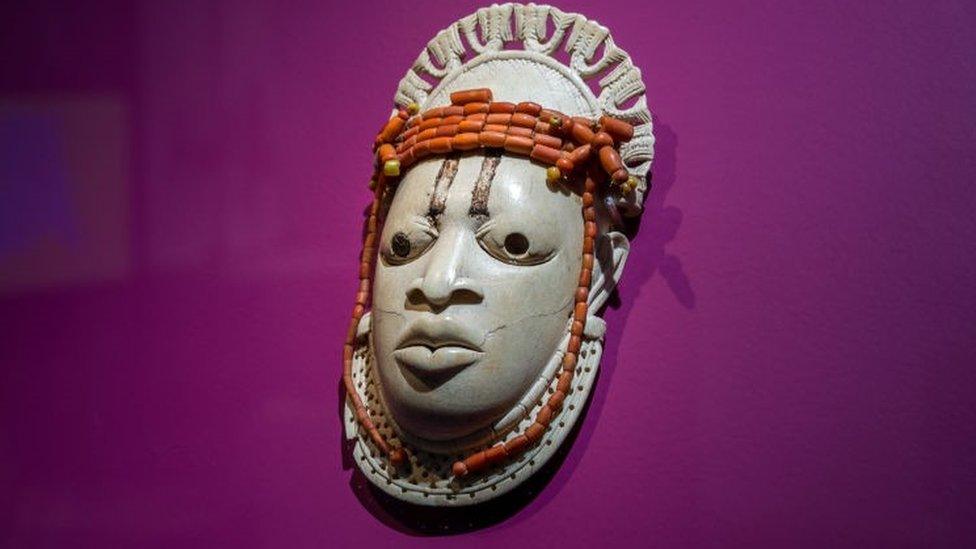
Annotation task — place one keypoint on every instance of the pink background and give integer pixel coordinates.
(790, 361)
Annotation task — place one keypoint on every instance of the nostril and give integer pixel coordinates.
(465, 296)
(461, 292)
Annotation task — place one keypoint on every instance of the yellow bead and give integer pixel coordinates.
(555, 121)
(631, 184)
(391, 168)
(553, 174)
(413, 109)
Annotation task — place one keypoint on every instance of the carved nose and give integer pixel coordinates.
(442, 283)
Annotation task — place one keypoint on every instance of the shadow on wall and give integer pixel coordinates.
(660, 228)
(661, 222)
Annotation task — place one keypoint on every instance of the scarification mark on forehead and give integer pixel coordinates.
(482, 187)
(442, 184)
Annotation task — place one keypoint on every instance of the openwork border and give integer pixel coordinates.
(542, 29)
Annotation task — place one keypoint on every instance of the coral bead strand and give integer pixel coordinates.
(396, 455)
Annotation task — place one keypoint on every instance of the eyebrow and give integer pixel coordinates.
(442, 184)
(482, 187)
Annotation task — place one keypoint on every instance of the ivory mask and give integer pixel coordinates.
(478, 266)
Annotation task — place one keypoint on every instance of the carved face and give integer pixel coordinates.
(479, 259)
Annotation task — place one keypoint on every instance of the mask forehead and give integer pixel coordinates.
(488, 187)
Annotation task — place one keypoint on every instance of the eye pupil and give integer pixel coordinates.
(401, 245)
(516, 244)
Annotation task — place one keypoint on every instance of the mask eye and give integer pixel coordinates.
(516, 244)
(400, 245)
(514, 248)
(406, 245)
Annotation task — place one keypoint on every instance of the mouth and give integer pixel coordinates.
(436, 349)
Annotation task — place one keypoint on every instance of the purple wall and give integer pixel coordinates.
(790, 362)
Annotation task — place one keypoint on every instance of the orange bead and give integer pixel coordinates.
(470, 126)
(447, 130)
(574, 344)
(386, 152)
(589, 229)
(503, 119)
(430, 123)
(402, 147)
(579, 312)
(602, 139)
(440, 145)
(565, 383)
(518, 145)
(465, 142)
(547, 140)
(476, 462)
(545, 154)
(407, 159)
(610, 159)
(544, 416)
(501, 107)
(529, 108)
(523, 120)
(472, 108)
(580, 154)
(391, 129)
(433, 113)
(581, 133)
(582, 293)
(618, 129)
(492, 139)
(584, 278)
(534, 432)
(495, 454)
(462, 97)
(517, 444)
(587, 265)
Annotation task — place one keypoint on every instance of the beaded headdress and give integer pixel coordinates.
(603, 146)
